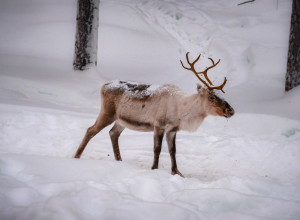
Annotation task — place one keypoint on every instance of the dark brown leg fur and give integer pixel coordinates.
(115, 133)
(158, 137)
(171, 138)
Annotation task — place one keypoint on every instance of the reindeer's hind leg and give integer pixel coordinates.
(114, 136)
(102, 121)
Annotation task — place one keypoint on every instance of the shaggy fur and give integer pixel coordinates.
(162, 109)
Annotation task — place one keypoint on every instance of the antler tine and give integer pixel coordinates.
(195, 61)
(187, 58)
(184, 66)
(191, 64)
(213, 61)
(220, 87)
(205, 71)
(192, 68)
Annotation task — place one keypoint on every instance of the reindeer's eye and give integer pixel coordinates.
(212, 98)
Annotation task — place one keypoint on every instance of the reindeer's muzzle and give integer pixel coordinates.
(229, 111)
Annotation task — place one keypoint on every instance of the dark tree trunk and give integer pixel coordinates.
(292, 78)
(86, 34)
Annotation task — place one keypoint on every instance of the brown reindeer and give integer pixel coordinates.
(163, 109)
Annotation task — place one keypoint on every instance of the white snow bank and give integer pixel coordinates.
(48, 83)
(246, 167)
(59, 188)
(75, 191)
(41, 29)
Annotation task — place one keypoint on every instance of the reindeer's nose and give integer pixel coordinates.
(231, 111)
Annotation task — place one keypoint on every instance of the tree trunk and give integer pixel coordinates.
(293, 64)
(86, 44)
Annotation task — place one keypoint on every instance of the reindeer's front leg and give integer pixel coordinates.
(158, 137)
(171, 138)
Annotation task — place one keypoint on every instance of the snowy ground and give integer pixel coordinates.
(247, 167)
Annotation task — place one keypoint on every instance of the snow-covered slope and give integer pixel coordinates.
(247, 167)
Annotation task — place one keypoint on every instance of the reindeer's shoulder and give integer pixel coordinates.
(174, 90)
(133, 89)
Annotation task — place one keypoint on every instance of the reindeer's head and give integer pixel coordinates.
(213, 104)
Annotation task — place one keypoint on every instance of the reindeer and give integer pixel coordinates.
(163, 109)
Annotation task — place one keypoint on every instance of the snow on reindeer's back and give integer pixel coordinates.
(133, 89)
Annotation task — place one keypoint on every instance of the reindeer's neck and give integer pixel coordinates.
(191, 112)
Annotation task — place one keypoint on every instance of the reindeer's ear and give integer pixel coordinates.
(199, 87)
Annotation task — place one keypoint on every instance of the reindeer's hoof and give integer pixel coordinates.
(117, 156)
(154, 167)
(177, 172)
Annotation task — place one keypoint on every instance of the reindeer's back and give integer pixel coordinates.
(144, 102)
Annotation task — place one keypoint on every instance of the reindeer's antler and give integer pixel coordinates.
(192, 68)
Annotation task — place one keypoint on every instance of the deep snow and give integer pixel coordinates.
(246, 167)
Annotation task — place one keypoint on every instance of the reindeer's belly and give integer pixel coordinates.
(135, 125)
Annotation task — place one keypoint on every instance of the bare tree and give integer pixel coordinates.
(293, 64)
(86, 44)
